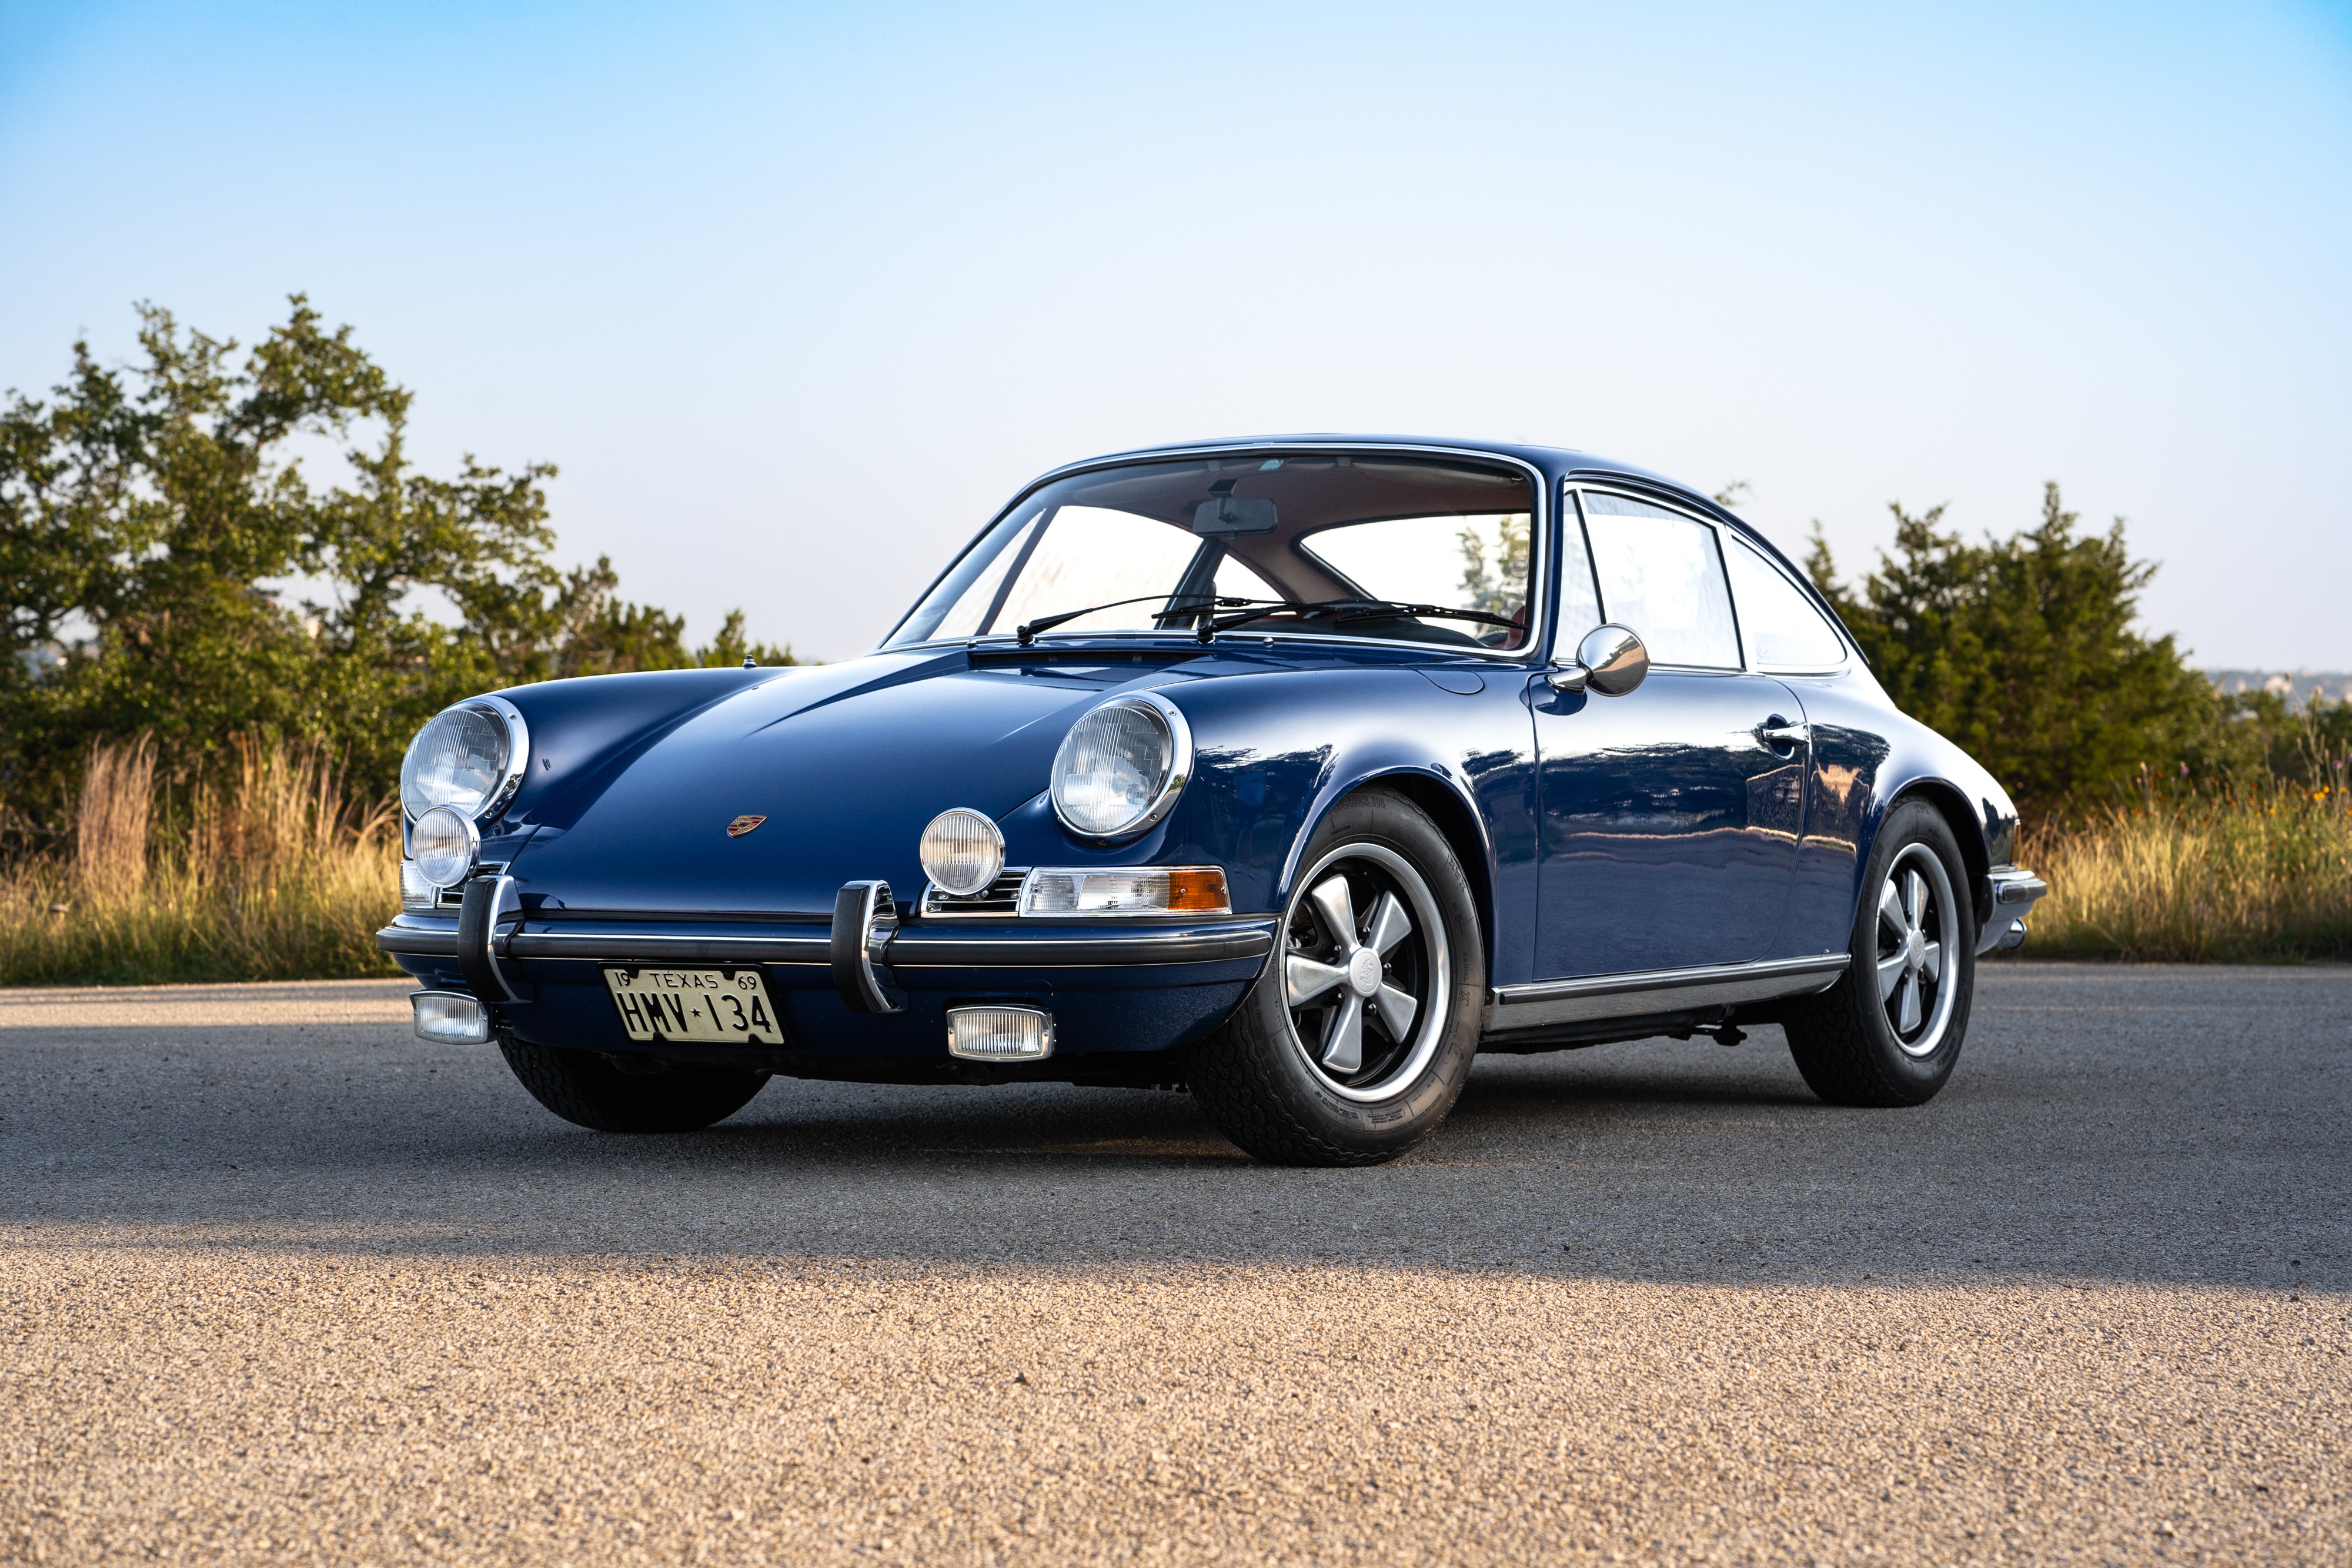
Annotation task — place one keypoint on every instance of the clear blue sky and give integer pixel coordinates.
(796, 294)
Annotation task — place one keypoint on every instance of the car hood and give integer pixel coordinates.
(846, 763)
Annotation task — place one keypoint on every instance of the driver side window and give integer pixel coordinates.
(1661, 573)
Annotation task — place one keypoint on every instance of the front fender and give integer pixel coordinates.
(1275, 752)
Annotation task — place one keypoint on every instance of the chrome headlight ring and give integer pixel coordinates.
(517, 732)
(1177, 771)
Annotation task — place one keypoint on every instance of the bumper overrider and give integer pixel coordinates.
(2014, 894)
(860, 983)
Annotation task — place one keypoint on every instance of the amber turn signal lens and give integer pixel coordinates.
(1198, 890)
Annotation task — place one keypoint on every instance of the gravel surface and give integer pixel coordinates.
(279, 1281)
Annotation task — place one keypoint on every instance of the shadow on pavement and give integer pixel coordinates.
(2160, 1125)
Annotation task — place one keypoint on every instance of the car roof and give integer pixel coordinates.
(1555, 460)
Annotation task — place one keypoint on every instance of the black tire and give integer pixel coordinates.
(1254, 1077)
(1850, 1042)
(587, 1088)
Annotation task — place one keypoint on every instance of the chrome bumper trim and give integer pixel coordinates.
(1093, 949)
(1591, 997)
(2015, 892)
(425, 937)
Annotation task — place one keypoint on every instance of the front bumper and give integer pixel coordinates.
(2015, 891)
(1152, 985)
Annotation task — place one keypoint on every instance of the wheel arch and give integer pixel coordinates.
(1439, 800)
(1950, 804)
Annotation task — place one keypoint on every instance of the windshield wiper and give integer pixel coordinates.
(1341, 609)
(1027, 630)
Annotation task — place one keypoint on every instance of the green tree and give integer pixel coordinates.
(155, 521)
(2025, 651)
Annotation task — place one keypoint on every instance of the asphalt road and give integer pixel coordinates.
(278, 1281)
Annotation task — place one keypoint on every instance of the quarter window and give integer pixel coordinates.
(1783, 629)
(1661, 573)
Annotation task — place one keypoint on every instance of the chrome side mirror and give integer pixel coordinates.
(1610, 662)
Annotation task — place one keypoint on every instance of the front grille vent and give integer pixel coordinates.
(1003, 897)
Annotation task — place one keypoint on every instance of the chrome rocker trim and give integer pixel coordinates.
(1591, 997)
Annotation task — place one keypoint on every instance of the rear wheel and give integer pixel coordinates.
(1889, 1033)
(1355, 1040)
(593, 1089)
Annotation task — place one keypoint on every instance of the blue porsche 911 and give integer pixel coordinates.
(1293, 772)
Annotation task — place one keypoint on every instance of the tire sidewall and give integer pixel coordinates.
(1269, 1051)
(1915, 1077)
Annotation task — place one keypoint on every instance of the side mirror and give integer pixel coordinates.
(1610, 662)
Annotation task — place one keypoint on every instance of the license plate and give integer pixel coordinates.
(709, 1006)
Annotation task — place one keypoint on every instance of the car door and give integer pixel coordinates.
(1670, 817)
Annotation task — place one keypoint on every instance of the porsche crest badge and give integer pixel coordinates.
(743, 824)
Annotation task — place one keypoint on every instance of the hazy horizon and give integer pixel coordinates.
(797, 296)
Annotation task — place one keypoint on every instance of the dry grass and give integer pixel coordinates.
(272, 874)
(2265, 877)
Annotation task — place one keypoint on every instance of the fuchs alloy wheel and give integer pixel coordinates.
(1889, 1032)
(629, 1094)
(1355, 1041)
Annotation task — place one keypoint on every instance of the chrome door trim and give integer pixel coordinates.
(1548, 1003)
(1633, 489)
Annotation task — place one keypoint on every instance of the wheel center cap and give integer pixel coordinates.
(1915, 947)
(1364, 972)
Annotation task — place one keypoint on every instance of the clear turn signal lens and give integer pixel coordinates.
(962, 851)
(1140, 889)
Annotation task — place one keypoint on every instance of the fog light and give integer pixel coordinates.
(1140, 890)
(451, 1016)
(1000, 1034)
(446, 846)
(962, 851)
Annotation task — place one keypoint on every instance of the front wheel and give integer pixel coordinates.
(593, 1089)
(1355, 1040)
(1889, 1033)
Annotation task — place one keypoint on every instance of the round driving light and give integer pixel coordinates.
(444, 845)
(1122, 766)
(962, 851)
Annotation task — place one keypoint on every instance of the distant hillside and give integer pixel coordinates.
(2295, 685)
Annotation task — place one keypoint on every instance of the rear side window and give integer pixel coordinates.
(1661, 573)
(1784, 631)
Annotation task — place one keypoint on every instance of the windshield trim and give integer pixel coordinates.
(1543, 513)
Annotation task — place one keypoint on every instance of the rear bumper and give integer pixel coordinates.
(2015, 891)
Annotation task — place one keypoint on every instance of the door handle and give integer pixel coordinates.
(1780, 735)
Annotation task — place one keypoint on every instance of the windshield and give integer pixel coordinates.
(1408, 549)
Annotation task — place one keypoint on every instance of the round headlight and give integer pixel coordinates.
(962, 851)
(1122, 766)
(444, 845)
(469, 758)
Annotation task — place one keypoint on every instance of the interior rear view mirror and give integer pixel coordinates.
(1229, 515)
